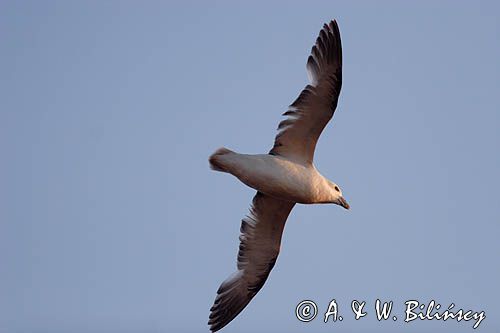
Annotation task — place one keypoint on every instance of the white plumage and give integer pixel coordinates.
(282, 178)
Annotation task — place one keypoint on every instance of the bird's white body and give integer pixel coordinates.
(276, 176)
(282, 178)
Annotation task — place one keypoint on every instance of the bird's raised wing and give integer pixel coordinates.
(314, 107)
(260, 240)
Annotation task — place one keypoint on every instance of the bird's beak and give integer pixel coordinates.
(343, 203)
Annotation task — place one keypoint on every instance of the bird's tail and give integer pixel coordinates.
(215, 159)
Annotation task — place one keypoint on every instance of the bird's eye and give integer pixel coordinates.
(337, 189)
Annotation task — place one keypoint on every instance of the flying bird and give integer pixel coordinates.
(283, 177)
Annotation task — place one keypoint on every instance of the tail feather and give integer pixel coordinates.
(214, 159)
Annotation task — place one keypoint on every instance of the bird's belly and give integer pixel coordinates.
(276, 177)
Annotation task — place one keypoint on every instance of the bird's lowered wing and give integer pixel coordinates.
(260, 240)
(314, 107)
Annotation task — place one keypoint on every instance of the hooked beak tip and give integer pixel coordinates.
(343, 203)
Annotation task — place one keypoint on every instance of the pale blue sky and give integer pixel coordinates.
(111, 221)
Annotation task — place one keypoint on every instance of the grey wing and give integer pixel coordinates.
(260, 240)
(311, 111)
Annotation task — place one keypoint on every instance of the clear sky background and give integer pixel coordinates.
(111, 221)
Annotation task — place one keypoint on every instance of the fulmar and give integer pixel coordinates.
(282, 178)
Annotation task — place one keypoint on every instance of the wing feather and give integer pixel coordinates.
(260, 241)
(311, 111)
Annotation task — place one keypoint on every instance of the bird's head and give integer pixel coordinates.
(336, 195)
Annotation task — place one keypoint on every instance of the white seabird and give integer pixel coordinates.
(282, 178)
